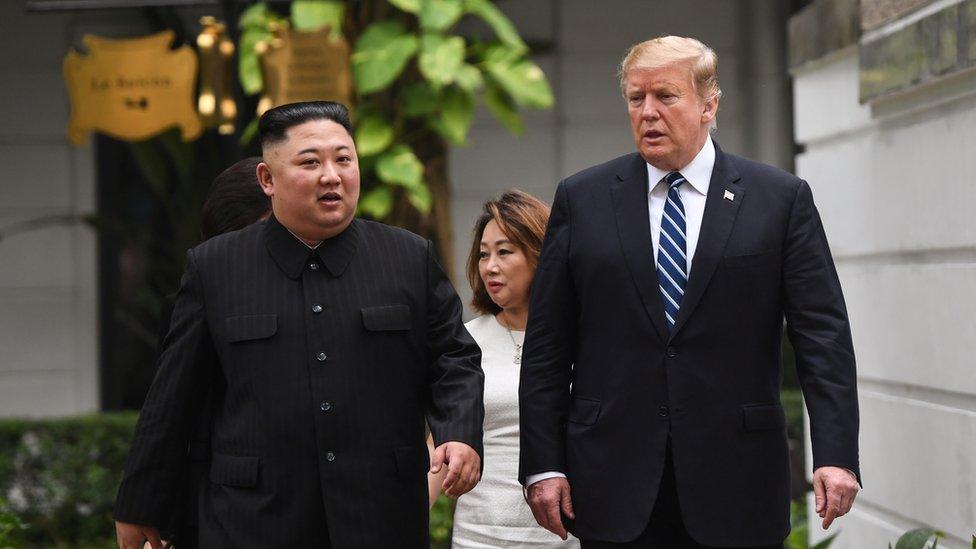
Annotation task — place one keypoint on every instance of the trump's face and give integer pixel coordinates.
(312, 178)
(668, 118)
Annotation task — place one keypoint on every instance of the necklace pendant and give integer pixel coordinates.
(517, 359)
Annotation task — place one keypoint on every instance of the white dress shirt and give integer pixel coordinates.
(692, 193)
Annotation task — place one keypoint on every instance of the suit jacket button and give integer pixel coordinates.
(325, 406)
(314, 266)
(321, 357)
(672, 352)
(663, 411)
(316, 308)
(330, 456)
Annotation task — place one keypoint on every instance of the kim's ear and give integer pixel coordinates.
(265, 179)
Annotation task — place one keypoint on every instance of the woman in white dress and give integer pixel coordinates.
(507, 241)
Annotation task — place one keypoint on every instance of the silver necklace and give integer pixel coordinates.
(518, 348)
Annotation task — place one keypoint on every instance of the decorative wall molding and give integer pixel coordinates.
(821, 28)
(935, 46)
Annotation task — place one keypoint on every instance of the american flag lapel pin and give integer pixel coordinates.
(729, 196)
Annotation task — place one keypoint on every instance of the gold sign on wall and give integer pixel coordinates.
(131, 89)
(216, 103)
(304, 66)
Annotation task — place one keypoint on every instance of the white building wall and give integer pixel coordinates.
(895, 182)
(48, 307)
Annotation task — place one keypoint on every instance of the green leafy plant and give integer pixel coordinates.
(919, 538)
(922, 538)
(799, 531)
(441, 522)
(10, 525)
(418, 82)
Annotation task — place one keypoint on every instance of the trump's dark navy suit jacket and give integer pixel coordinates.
(604, 382)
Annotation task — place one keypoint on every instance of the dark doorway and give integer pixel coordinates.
(149, 199)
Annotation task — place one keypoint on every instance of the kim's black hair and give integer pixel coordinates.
(275, 122)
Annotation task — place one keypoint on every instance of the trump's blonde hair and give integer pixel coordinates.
(672, 50)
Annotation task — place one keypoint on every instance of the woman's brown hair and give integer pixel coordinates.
(522, 218)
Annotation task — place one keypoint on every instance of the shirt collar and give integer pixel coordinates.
(310, 247)
(293, 255)
(698, 172)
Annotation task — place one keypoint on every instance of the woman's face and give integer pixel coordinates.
(504, 269)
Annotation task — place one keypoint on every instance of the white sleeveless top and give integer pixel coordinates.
(494, 514)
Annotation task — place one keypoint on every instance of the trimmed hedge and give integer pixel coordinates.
(59, 478)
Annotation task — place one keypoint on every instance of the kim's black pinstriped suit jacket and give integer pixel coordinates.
(327, 363)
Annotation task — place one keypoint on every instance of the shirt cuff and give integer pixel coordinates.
(532, 479)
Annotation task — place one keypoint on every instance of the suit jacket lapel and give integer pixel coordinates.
(717, 222)
(629, 195)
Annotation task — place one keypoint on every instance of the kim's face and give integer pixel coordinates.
(312, 178)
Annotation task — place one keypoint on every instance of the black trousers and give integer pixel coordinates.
(666, 529)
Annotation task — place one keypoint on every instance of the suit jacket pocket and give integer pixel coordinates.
(386, 318)
(750, 260)
(412, 461)
(762, 417)
(237, 471)
(246, 327)
(584, 411)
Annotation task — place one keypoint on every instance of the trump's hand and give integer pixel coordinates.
(133, 536)
(834, 490)
(463, 467)
(547, 498)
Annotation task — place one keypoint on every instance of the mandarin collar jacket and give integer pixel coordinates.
(324, 367)
(292, 255)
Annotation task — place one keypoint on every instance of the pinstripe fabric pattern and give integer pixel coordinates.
(327, 363)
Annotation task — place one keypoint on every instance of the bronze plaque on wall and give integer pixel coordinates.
(131, 89)
(305, 66)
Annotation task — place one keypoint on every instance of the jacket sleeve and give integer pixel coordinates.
(457, 383)
(548, 355)
(150, 489)
(820, 332)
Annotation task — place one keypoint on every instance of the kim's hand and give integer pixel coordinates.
(463, 467)
(547, 499)
(133, 536)
(834, 490)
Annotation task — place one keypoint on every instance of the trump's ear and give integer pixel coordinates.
(709, 110)
(265, 179)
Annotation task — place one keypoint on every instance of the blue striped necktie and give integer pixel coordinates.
(672, 259)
